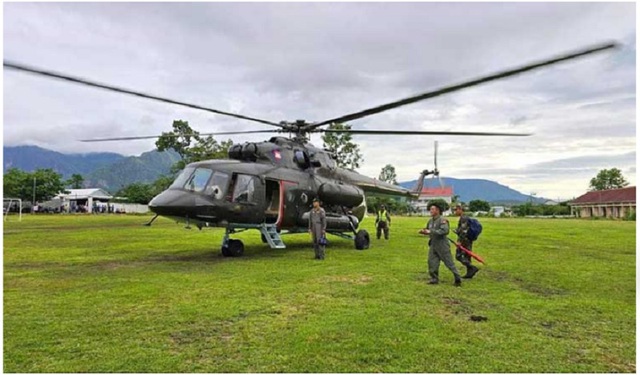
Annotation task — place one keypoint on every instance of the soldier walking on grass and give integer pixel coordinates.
(383, 222)
(463, 239)
(318, 228)
(439, 250)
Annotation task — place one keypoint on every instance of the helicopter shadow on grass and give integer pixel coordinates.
(214, 255)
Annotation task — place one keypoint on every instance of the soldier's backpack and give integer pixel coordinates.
(475, 228)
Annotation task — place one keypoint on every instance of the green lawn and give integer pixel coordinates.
(105, 294)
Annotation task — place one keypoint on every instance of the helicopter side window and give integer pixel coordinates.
(218, 185)
(244, 189)
(198, 179)
(182, 178)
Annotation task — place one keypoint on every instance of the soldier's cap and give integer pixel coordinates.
(316, 199)
(439, 205)
(460, 206)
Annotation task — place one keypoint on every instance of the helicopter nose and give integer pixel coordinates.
(172, 203)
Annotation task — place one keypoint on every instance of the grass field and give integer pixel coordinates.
(105, 294)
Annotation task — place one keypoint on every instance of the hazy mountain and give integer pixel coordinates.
(145, 168)
(104, 170)
(30, 158)
(470, 189)
(113, 171)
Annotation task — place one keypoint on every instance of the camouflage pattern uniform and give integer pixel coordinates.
(439, 249)
(317, 225)
(461, 256)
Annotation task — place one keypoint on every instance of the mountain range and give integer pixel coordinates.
(472, 189)
(112, 172)
(108, 171)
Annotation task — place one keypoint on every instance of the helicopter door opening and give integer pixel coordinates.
(272, 197)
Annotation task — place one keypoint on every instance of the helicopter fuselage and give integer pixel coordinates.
(274, 182)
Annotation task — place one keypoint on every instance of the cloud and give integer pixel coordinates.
(317, 61)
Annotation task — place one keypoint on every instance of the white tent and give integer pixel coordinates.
(83, 197)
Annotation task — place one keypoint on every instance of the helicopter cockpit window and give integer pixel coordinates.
(198, 179)
(244, 189)
(182, 178)
(218, 185)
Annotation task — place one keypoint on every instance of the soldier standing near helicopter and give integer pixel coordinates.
(383, 222)
(318, 228)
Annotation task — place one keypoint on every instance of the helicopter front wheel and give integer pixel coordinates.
(362, 240)
(234, 248)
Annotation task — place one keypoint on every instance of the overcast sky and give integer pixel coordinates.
(317, 61)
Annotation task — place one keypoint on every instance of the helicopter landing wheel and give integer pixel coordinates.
(362, 240)
(234, 248)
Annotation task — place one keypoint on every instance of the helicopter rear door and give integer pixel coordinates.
(273, 199)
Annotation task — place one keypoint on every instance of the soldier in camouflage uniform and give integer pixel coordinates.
(317, 227)
(461, 231)
(439, 250)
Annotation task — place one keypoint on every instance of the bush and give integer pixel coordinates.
(630, 216)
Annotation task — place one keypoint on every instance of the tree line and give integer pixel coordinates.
(192, 147)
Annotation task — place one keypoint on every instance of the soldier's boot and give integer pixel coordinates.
(471, 271)
(458, 282)
(432, 281)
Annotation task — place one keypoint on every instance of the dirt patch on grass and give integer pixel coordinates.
(350, 279)
(456, 306)
(540, 290)
(616, 365)
(50, 228)
(202, 332)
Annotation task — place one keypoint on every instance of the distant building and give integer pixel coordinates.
(498, 210)
(84, 200)
(429, 194)
(614, 203)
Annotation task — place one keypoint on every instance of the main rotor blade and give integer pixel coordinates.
(460, 86)
(176, 135)
(416, 132)
(24, 68)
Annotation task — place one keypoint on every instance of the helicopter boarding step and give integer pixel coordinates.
(270, 233)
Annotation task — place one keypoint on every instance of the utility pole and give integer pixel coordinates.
(33, 203)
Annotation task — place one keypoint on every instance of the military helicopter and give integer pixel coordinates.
(269, 186)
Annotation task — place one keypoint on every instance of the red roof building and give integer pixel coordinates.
(446, 191)
(615, 203)
(428, 194)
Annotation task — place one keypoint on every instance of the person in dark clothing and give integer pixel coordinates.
(383, 222)
(461, 231)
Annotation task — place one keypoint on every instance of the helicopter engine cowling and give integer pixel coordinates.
(250, 151)
(235, 152)
(340, 195)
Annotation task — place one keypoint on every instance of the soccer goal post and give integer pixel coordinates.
(6, 205)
